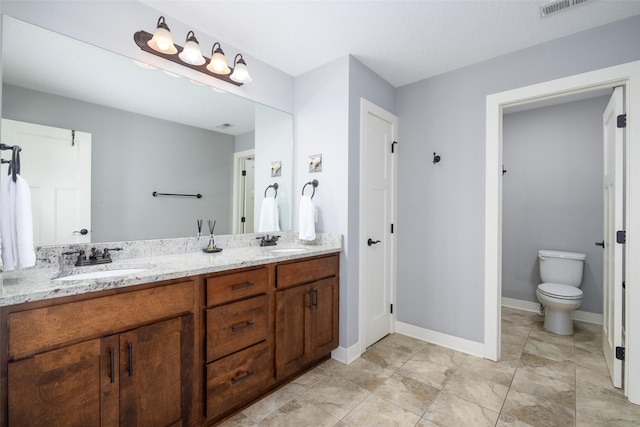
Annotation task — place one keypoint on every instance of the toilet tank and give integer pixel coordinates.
(561, 267)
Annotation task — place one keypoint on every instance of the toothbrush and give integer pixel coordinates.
(199, 221)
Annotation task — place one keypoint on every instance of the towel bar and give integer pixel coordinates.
(313, 184)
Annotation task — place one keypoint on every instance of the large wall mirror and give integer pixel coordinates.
(141, 130)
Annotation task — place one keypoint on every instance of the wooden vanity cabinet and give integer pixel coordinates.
(306, 313)
(77, 375)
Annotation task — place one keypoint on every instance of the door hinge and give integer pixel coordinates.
(621, 236)
(620, 353)
(392, 146)
(622, 121)
(391, 228)
(391, 308)
(243, 219)
(244, 173)
(624, 285)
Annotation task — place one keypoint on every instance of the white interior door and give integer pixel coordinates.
(249, 197)
(377, 210)
(613, 140)
(58, 171)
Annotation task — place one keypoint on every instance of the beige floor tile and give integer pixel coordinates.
(426, 423)
(560, 351)
(430, 373)
(590, 359)
(240, 420)
(374, 411)
(514, 316)
(407, 393)
(599, 377)
(515, 334)
(561, 371)
(388, 355)
(485, 393)
(605, 405)
(299, 412)
(336, 396)
(312, 377)
(440, 355)
(450, 410)
(364, 373)
(499, 372)
(270, 403)
(545, 388)
(507, 421)
(511, 353)
(537, 412)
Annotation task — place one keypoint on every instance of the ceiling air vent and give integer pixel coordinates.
(558, 5)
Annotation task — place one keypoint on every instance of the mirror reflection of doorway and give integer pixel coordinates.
(243, 218)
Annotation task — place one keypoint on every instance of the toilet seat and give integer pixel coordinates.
(559, 291)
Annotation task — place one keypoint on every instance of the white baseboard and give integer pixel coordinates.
(438, 338)
(582, 316)
(346, 355)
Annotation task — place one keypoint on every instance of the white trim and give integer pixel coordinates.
(366, 107)
(582, 316)
(624, 74)
(237, 156)
(438, 338)
(346, 355)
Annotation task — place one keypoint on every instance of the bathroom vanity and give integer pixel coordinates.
(188, 340)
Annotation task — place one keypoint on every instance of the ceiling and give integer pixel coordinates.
(402, 41)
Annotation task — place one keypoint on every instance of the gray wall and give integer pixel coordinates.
(441, 207)
(134, 155)
(552, 194)
(245, 141)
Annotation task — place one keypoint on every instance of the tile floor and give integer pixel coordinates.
(541, 380)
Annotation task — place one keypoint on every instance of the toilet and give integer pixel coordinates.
(559, 292)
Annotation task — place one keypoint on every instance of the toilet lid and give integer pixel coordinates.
(557, 290)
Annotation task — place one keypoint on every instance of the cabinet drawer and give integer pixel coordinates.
(234, 286)
(39, 329)
(236, 325)
(306, 271)
(236, 379)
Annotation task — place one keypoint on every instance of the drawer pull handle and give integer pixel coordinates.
(242, 286)
(130, 359)
(241, 327)
(236, 380)
(111, 365)
(315, 299)
(310, 300)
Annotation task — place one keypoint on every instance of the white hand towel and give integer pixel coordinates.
(269, 217)
(16, 224)
(307, 219)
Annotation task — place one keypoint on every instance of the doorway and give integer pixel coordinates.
(621, 75)
(243, 192)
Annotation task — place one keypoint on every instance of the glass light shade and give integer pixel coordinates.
(218, 64)
(241, 73)
(191, 54)
(162, 41)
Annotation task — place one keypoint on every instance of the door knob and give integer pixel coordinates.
(372, 242)
(600, 244)
(84, 232)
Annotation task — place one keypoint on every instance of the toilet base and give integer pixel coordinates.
(558, 322)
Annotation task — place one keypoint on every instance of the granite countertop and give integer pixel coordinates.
(38, 284)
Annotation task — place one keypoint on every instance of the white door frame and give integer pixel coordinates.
(627, 75)
(365, 107)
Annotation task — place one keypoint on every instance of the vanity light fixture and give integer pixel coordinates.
(191, 54)
(161, 44)
(218, 63)
(162, 41)
(240, 71)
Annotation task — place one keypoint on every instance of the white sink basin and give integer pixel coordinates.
(99, 274)
(288, 251)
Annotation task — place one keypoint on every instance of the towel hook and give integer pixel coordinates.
(314, 184)
(275, 187)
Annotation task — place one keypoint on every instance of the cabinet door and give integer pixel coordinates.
(57, 388)
(293, 312)
(151, 375)
(323, 335)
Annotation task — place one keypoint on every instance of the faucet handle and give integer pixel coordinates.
(106, 253)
